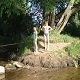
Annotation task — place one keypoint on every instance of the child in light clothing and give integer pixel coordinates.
(46, 28)
(35, 39)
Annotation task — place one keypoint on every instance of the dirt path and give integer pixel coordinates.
(49, 59)
(52, 47)
(55, 46)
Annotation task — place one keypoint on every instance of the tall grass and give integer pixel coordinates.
(55, 37)
(73, 49)
(25, 45)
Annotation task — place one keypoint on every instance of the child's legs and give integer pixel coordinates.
(45, 42)
(48, 42)
(35, 45)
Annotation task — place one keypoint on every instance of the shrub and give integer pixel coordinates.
(73, 49)
(56, 37)
(25, 45)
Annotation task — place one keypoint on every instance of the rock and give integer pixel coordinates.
(27, 67)
(18, 64)
(10, 67)
(2, 72)
(2, 76)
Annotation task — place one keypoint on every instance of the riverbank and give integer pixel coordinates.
(58, 55)
(49, 59)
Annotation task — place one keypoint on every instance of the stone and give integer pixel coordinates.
(18, 64)
(10, 67)
(2, 76)
(2, 70)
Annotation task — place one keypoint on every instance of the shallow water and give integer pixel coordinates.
(51, 74)
(70, 73)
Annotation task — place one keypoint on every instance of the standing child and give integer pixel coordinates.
(46, 28)
(35, 39)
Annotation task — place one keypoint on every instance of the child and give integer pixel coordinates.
(35, 39)
(46, 30)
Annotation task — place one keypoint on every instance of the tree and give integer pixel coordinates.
(65, 17)
(49, 10)
(14, 21)
(12, 6)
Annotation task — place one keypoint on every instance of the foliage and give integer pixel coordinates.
(48, 5)
(77, 1)
(12, 7)
(73, 26)
(25, 45)
(55, 37)
(14, 26)
(74, 48)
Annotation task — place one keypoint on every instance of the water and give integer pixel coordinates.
(51, 74)
(70, 73)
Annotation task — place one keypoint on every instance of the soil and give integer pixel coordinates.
(50, 58)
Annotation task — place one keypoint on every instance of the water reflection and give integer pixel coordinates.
(52, 74)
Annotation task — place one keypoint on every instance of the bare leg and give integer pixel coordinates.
(48, 42)
(36, 47)
(45, 42)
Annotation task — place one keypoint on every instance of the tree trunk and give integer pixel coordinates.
(52, 19)
(74, 9)
(65, 17)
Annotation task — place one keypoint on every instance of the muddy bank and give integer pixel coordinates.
(48, 60)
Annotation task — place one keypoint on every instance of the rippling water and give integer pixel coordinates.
(70, 73)
(52, 74)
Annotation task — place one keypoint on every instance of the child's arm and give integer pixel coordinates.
(42, 28)
(50, 28)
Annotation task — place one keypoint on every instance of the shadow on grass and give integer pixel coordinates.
(25, 46)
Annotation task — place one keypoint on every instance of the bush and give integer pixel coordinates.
(55, 37)
(73, 49)
(25, 45)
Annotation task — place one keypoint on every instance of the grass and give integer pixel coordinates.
(55, 37)
(73, 49)
(26, 44)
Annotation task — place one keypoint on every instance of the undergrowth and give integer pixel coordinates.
(55, 37)
(73, 49)
(25, 45)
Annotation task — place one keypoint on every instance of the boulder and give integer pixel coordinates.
(2, 72)
(10, 67)
(18, 64)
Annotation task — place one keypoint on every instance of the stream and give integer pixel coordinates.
(52, 74)
(70, 73)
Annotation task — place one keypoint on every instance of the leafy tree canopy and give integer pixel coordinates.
(12, 6)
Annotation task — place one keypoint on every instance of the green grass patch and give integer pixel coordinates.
(25, 45)
(73, 49)
(55, 37)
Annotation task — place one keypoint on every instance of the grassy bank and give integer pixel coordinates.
(26, 44)
(73, 49)
(55, 37)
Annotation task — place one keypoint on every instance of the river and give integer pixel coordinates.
(50, 74)
(70, 73)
